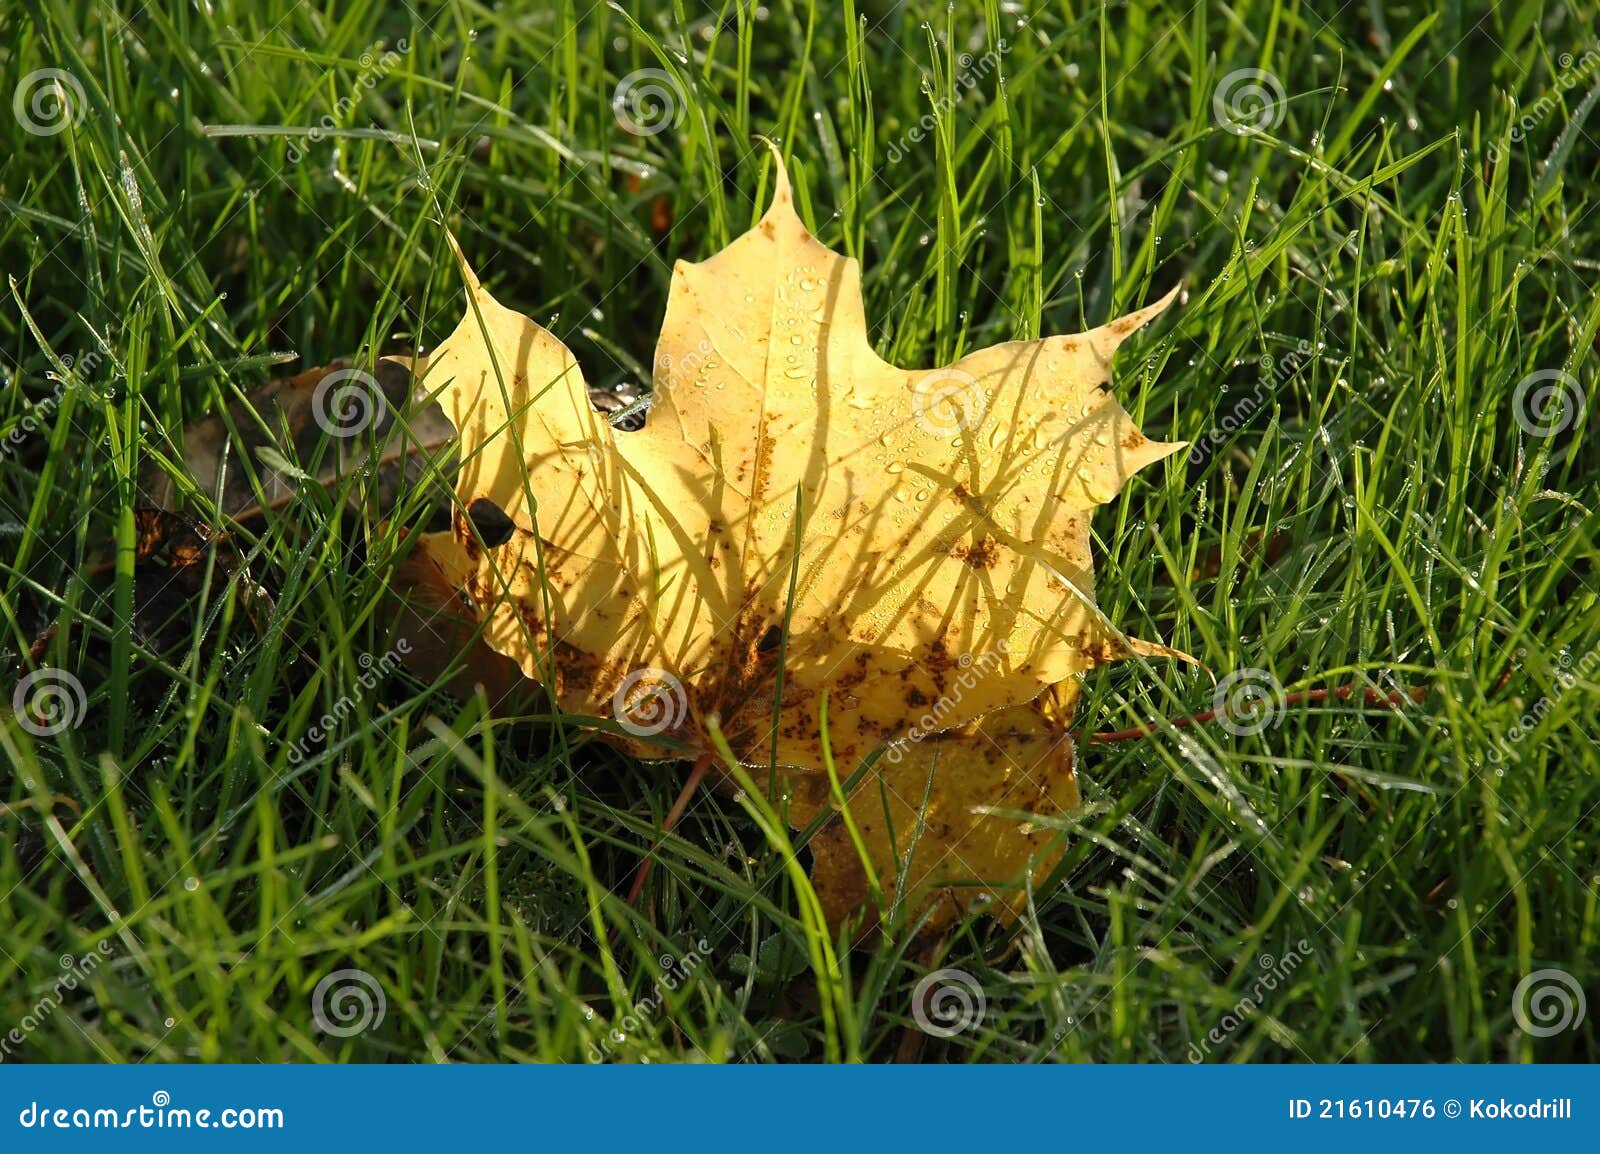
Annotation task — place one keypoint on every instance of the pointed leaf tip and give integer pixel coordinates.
(783, 192)
(467, 274)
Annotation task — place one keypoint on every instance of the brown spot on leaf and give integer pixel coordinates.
(982, 555)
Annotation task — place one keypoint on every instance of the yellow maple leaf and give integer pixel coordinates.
(913, 543)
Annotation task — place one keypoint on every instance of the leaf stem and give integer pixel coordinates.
(1414, 695)
(702, 766)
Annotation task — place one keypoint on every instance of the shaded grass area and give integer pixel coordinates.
(1375, 264)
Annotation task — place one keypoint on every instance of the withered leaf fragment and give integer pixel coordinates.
(328, 420)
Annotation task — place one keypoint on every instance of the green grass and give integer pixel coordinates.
(1374, 516)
